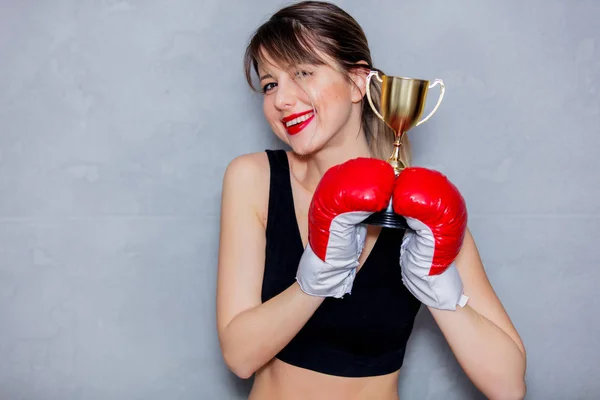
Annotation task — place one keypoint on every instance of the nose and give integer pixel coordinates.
(286, 95)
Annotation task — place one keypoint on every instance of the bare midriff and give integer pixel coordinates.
(281, 381)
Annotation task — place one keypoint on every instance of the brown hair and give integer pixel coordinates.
(290, 36)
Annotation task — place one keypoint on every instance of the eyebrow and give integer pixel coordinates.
(267, 76)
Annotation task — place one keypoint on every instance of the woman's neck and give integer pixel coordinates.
(333, 154)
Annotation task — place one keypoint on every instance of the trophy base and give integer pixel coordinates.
(387, 219)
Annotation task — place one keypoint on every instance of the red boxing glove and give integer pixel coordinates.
(346, 195)
(437, 215)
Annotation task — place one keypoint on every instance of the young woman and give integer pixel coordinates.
(314, 303)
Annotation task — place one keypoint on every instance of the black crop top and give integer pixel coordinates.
(365, 332)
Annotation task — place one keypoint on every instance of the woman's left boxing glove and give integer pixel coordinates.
(437, 215)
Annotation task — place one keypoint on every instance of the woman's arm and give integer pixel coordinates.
(481, 335)
(251, 333)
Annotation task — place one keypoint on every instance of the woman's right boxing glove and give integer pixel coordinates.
(346, 195)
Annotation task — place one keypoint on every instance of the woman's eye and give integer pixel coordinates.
(303, 74)
(268, 87)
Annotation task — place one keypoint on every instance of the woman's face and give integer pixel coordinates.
(310, 106)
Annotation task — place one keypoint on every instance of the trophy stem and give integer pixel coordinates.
(394, 159)
(388, 218)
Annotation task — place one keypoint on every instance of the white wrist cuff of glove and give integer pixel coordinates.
(443, 291)
(318, 278)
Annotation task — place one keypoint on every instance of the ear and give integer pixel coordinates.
(358, 77)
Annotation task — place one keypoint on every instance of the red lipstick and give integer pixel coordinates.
(297, 128)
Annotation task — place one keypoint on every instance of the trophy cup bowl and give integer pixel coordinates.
(402, 101)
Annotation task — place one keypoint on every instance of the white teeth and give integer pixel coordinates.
(299, 119)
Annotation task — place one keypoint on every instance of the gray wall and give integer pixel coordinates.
(118, 118)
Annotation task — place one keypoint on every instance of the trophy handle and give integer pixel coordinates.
(442, 91)
(371, 75)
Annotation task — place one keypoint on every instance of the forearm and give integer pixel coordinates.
(491, 359)
(256, 335)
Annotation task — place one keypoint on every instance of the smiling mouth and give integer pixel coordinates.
(295, 123)
(300, 119)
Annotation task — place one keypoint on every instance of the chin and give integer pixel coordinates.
(303, 152)
(305, 147)
(306, 142)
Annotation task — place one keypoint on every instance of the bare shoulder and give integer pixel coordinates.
(246, 179)
(247, 169)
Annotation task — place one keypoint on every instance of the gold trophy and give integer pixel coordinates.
(402, 103)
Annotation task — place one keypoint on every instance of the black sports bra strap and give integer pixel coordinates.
(281, 217)
(280, 167)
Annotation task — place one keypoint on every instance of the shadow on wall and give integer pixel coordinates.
(240, 387)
